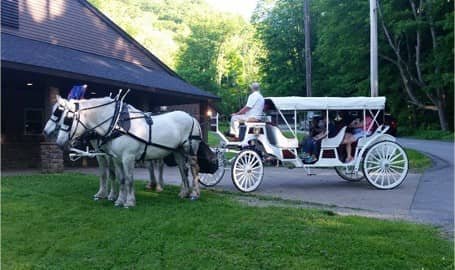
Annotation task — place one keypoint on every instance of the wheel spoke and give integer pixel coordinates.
(256, 161)
(397, 167)
(240, 169)
(398, 174)
(382, 178)
(374, 167)
(374, 162)
(388, 177)
(374, 171)
(396, 157)
(377, 176)
(250, 156)
(245, 183)
(398, 161)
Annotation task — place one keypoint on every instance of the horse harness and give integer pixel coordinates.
(119, 126)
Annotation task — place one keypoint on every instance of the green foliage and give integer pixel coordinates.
(155, 24)
(51, 222)
(431, 134)
(219, 56)
(341, 53)
(281, 30)
(221, 53)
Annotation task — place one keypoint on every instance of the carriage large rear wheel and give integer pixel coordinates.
(247, 171)
(209, 179)
(385, 165)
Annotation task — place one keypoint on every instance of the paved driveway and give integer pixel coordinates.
(434, 198)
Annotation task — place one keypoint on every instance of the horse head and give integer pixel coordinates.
(82, 116)
(54, 122)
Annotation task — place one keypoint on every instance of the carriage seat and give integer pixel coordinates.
(262, 119)
(275, 137)
(334, 142)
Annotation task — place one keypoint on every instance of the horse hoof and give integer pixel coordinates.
(96, 198)
(193, 198)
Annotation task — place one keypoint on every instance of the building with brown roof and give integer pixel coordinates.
(49, 46)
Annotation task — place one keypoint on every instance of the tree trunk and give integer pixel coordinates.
(442, 116)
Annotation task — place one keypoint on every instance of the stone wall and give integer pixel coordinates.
(51, 158)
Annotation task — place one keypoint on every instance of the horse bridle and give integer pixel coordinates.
(68, 120)
(57, 114)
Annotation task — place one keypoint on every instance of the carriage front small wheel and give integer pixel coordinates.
(385, 165)
(209, 179)
(247, 171)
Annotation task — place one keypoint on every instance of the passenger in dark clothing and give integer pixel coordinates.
(311, 146)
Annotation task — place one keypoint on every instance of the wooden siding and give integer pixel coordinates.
(10, 13)
(70, 24)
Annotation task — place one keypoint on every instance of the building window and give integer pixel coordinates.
(10, 13)
(33, 121)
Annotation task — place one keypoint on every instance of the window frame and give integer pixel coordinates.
(41, 122)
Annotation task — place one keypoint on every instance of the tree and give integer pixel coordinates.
(217, 56)
(420, 46)
(280, 27)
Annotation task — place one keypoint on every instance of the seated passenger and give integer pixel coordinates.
(311, 146)
(360, 129)
(252, 110)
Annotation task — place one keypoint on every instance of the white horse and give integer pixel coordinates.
(107, 188)
(172, 133)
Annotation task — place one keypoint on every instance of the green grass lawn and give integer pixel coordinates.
(417, 161)
(51, 222)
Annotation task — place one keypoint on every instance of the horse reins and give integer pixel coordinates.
(69, 120)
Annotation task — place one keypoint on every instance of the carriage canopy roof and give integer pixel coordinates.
(324, 103)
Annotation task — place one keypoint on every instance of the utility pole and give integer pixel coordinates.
(373, 48)
(306, 12)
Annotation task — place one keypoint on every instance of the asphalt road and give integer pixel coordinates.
(434, 200)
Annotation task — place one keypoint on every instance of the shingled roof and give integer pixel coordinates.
(74, 60)
(62, 61)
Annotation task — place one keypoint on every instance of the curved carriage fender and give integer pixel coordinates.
(268, 148)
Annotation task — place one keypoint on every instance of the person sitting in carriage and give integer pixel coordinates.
(360, 128)
(252, 111)
(311, 146)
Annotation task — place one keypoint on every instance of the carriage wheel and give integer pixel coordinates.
(348, 174)
(385, 165)
(247, 171)
(209, 179)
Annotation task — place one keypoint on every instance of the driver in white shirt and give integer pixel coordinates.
(253, 110)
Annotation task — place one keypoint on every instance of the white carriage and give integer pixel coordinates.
(377, 156)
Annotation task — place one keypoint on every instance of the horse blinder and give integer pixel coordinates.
(68, 122)
(57, 114)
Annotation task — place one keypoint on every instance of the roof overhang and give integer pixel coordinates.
(30, 55)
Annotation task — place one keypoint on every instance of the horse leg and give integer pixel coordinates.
(128, 169)
(195, 193)
(112, 194)
(122, 186)
(103, 170)
(160, 165)
(180, 159)
(152, 182)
